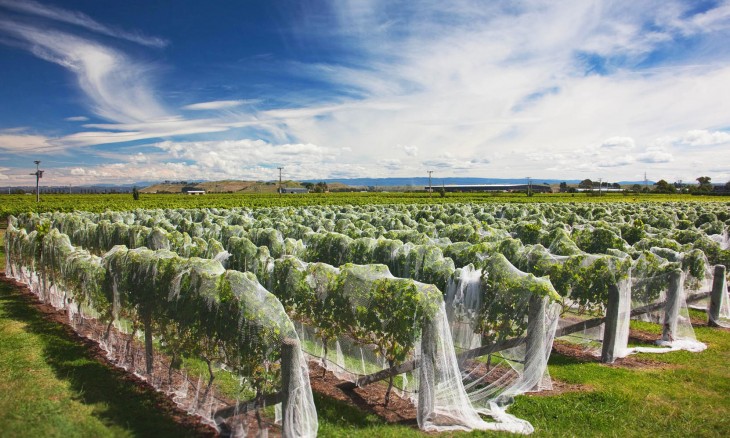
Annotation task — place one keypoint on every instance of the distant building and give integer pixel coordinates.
(195, 192)
(602, 189)
(294, 190)
(535, 188)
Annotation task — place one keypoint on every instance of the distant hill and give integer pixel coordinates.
(420, 182)
(334, 184)
(340, 184)
(227, 186)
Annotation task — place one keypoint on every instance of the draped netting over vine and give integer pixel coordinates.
(358, 319)
(657, 271)
(193, 306)
(494, 305)
(489, 261)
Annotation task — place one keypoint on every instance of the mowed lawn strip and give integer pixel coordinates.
(673, 394)
(51, 386)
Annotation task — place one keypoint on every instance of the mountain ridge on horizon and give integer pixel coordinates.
(367, 182)
(423, 181)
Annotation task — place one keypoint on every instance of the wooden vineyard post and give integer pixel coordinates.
(717, 296)
(426, 383)
(535, 359)
(671, 309)
(616, 330)
(289, 369)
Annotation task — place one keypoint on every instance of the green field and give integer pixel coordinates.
(16, 204)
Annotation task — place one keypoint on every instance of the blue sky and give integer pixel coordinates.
(116, 92)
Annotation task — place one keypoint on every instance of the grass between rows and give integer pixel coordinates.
(676, 394)
(50, 385)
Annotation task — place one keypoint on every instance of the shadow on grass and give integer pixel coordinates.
(118, 399)
(339, 413)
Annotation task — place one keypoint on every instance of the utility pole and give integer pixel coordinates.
(646, 183)
(600, 183)
(430, 190)
(280, 169)
(529, 186)
(38, 175)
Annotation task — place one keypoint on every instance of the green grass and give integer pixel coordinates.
(689, 396)
(51, 386)
(337, 419)
(683, 394)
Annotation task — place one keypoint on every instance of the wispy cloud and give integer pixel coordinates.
(118, 88)
(217, 105)
(705, 138)
(77, 119)
(473, 78)
(18, 143)
(618, 143)
(655, 154)
(79, 19)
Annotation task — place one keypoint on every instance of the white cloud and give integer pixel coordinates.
(410, 150)
(705, 138)
(15, 143)
(217, 105)
(76, 119)
(447, 161)
(16, 130)
(79, 19)
(244, 157)
(617, 161)
(655, 154)
(618, 143)
(392, 164)
(117, 86)
(139, 158)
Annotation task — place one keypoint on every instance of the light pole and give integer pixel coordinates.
(529, 186)
(600, 183)
(280, 169)
(38, 175)
(430, 190)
